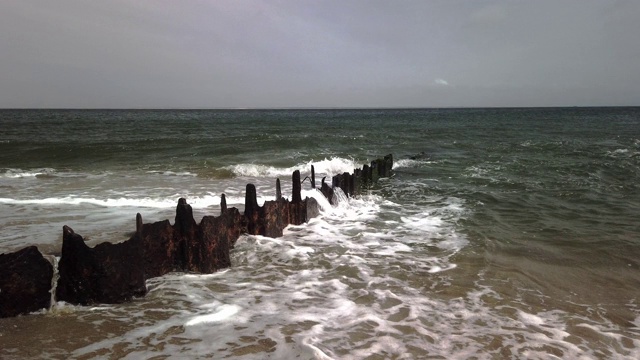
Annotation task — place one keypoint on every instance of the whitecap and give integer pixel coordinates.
(328, 167)
(172, 173)
(196, 202)
(409, 163)
(19, 173)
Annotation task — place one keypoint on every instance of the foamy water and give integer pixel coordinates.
(331, 288)
(352, 283)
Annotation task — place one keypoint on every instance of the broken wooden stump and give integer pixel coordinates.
(218, 236)
(25, 282)
(108, 273)
(159, 249)
(188, 246)
(272, 217)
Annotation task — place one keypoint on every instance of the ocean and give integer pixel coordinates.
(503, 233)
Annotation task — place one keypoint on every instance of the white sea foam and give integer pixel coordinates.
(310, 313)
(410, 163)
(619, 153)
(333, 166)
(256, 170)
(19, 173)
(329, 167)
(173, 173)
(196, 202)
(221, 313)
(530, 319)
(423, 222)
(72, 200)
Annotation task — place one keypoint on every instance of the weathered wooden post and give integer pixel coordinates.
(223, 204)
(297, 187)
(278, 190)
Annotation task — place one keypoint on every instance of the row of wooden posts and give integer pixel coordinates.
(115, 273)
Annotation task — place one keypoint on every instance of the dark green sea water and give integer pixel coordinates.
(503, 233)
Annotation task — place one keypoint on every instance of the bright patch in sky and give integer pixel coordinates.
(440, 82)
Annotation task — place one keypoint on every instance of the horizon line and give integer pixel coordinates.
(324, 108)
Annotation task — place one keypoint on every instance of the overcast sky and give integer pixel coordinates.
(257, 54)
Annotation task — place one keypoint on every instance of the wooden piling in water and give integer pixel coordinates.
(114, 273)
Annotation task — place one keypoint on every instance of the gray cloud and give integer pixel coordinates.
(162, 53)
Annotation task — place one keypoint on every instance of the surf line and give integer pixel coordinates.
(115, 273)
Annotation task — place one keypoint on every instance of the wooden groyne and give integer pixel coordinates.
(115, 273)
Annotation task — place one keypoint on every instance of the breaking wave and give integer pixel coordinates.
(329, 167)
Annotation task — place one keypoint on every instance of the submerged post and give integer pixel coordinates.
(313, 177)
